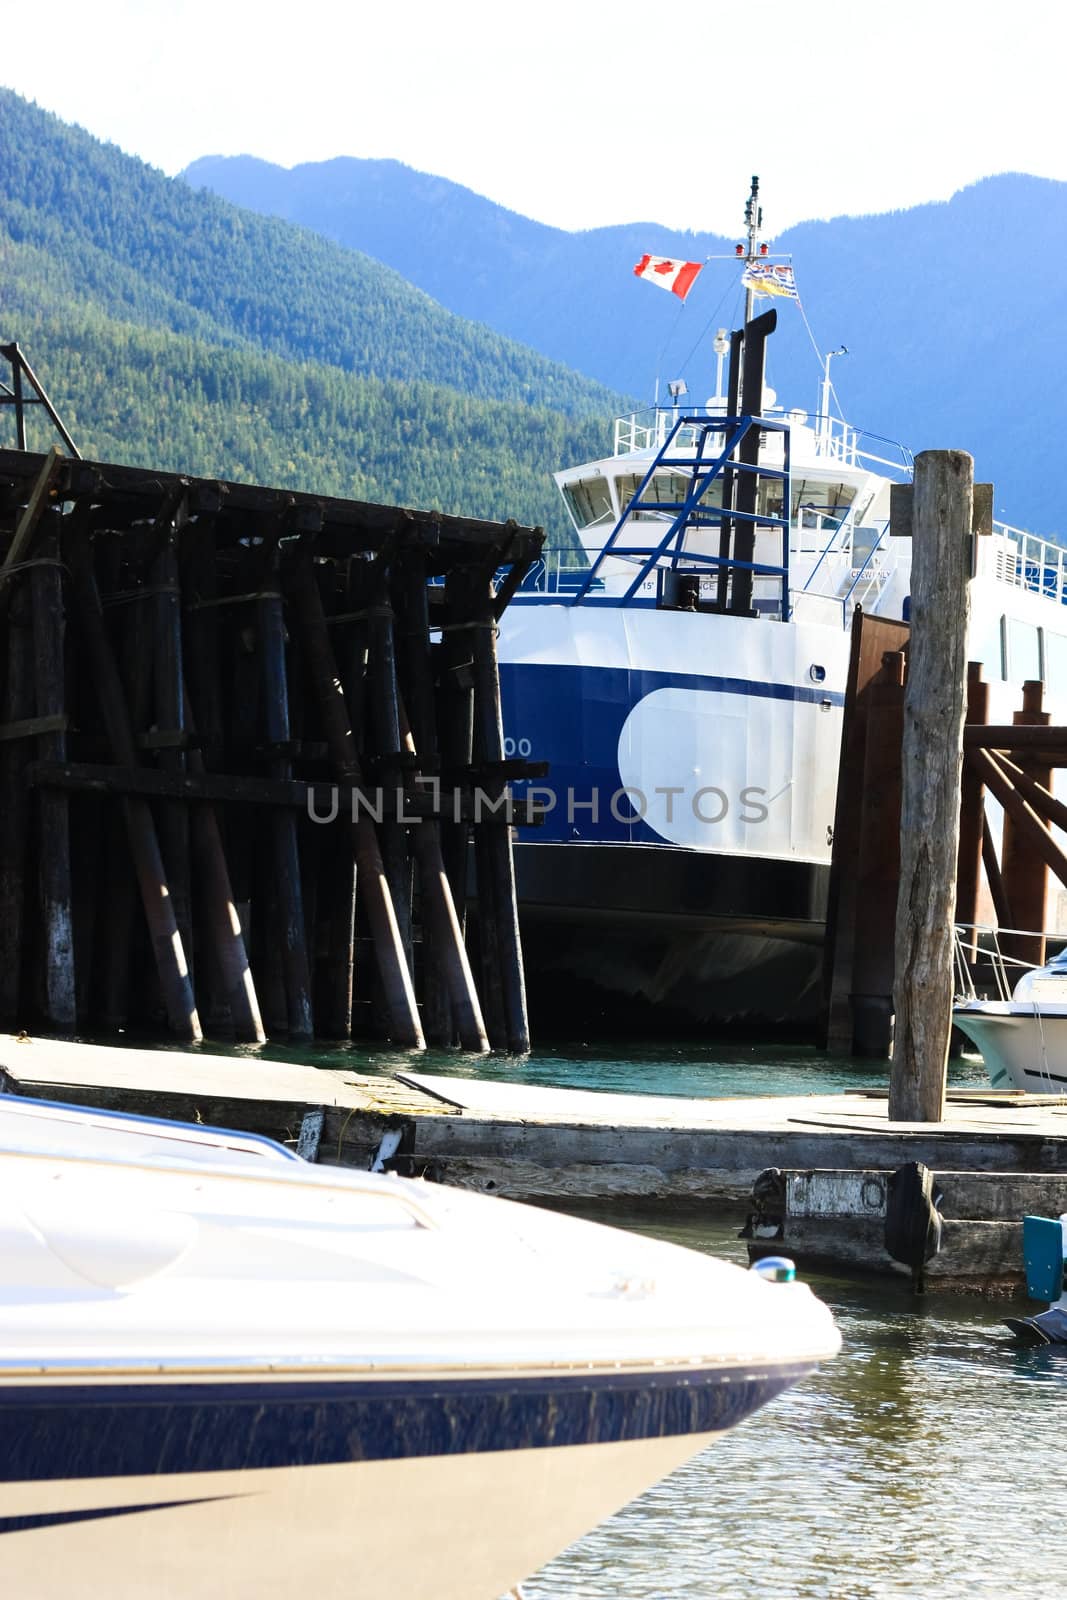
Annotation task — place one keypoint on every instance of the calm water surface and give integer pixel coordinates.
(719, 1069)
(926, 1459)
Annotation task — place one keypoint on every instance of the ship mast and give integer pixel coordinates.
(753, 223)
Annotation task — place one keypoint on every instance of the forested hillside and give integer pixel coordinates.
(948, 346)
(174, 329)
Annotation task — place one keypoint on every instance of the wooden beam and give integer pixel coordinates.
(991, 864)
(1025, 818)
(1035, 794)
(1046, 741)
(317, 799)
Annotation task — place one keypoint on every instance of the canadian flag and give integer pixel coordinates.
(677, 276)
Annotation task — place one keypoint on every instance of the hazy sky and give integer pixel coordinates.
(575, 112)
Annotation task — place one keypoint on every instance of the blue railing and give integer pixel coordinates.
(706, 469)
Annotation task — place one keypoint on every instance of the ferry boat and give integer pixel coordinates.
(686, 682)
(224, 1371)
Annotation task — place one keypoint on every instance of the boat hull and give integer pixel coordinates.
(652, 936)
(386, 1485)
(1021, 1048)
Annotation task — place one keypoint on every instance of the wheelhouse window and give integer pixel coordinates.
(1022, 655)
(818, 510)
(666, 489)
(588, 501)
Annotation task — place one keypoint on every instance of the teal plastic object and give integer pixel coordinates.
(1043, 1257)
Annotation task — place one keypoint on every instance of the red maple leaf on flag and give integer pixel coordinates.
(664, 266)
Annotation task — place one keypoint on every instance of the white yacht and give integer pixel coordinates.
(686, 684)
(1022, 1034)
(226, 1372)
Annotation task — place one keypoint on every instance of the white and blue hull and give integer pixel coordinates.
(449, 1489)
(682, 869)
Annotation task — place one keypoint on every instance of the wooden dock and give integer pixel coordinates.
(272, 720)
(543, 1144)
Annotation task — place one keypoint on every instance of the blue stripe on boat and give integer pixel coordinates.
(140, 1429)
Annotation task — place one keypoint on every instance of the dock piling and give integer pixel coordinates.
(931, 768)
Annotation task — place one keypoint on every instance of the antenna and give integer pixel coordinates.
(753, 224)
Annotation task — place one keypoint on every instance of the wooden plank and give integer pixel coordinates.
(33, 727)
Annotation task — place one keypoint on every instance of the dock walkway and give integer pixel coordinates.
(541, 1144)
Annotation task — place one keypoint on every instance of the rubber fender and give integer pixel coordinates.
(912, 1220)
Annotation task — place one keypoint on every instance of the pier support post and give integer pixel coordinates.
(1024, 871)
(54, 875)
(402, 1012)
(878, 866)
(140, 828)
(932, 760)
(972, 817)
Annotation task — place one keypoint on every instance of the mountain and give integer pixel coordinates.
(174, 328)
(936, 304)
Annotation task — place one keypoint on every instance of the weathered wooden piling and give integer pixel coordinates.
(254, 763)
(931, 766)
(156, 898)
(393, 965)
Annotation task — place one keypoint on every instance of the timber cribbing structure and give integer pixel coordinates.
(193, 676)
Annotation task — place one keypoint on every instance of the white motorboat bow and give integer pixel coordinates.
(1023, 1037)
(224, 1371)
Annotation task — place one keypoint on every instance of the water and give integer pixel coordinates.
(717, 1070)
(926, 1460)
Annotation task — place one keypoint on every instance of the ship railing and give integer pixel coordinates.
(838, 441)
(869, 579)
(559, 571)
(1024, 561)
(976, 946)
(838, 544)
(866, 582)
(835, 440)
